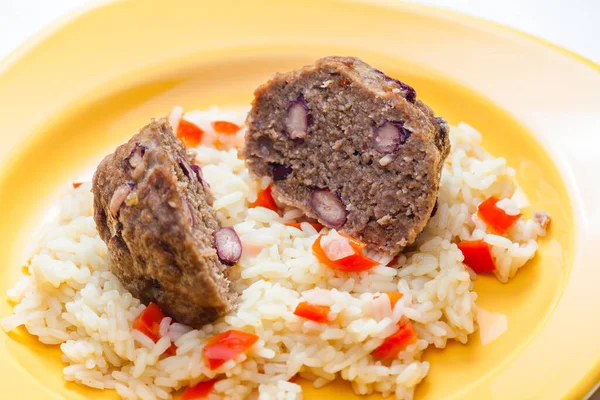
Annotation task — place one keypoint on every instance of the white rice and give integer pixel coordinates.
(71, 299)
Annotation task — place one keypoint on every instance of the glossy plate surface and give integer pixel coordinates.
(74, 92)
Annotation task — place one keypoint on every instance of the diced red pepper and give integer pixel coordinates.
(293, 378)
(189, 133)
(393, 345)
(478, 255)
(298, 225)
(403, 320)
(495, 217)
(354, 263)
(199, 391)
(228, 128)
(394, 297)
(172, 350)
(314, 312)
(265, 199)
(226, 346)
(148, 322)
(77, 184)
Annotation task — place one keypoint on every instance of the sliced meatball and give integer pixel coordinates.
(351, 147)
(151, 209)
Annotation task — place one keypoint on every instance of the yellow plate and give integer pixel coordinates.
(75, 91)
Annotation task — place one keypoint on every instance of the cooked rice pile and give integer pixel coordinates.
(70, 297)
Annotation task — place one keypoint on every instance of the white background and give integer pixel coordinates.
(573, 24)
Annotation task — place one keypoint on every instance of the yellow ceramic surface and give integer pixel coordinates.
(73, 93)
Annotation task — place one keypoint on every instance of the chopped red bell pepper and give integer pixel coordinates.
(478, 255)
(148, 322)
(495, 217)
(226, 346)
(189, 133)
(77, 184)
(394, 297)
(314, 312)
(228, 128)
(353, 263)
(403, 320)
(393, 345)
(199, 391)
(265, 199)
(293, 378)
(298, 225)
(172, 350)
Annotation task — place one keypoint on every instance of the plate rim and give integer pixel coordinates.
(31, 44)
(32, 41)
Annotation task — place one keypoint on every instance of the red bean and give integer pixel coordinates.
(185, 169)
(279, 171)
(389, 136)
(410, 94)
(328, 207)
(297, 118)
(198, 171)
(137, 154)
(228, 245)
(119, 197)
